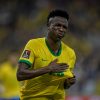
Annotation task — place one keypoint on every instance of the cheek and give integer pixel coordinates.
(54, 33)
(54, 30)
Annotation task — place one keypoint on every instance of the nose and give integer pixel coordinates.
(61, 28)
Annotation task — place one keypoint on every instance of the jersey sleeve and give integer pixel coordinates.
(72, 60)
(27, 55)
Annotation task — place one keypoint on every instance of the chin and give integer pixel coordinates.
(59, 39)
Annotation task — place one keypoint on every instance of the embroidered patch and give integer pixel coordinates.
(26, 54)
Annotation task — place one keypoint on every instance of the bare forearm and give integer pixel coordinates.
(25, 74)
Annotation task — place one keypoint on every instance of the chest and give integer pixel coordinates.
(43, 57)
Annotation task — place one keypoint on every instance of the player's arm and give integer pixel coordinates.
(24, 73)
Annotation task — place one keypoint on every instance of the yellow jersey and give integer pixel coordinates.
(38, 54)
(8, 81)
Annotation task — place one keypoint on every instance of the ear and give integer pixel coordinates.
(48, 28)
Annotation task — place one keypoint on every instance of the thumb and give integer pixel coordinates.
(55, 60)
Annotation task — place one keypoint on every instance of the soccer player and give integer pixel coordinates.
(9, 86)
(46, 64)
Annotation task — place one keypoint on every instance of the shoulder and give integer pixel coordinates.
(35, 42)
(68, 49)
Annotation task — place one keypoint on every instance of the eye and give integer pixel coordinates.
(58, 25)
(65, 27)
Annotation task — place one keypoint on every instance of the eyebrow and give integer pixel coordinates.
(58, 24)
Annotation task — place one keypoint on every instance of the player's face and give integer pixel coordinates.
(57, 28)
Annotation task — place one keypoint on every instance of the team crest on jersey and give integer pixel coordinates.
(26, 54)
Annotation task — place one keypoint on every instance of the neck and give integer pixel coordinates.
(53, 45)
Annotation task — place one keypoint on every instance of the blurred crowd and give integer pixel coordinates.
(21, 20)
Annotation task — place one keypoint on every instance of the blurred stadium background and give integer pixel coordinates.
(21, 20)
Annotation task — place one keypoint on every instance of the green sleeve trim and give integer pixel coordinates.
(26, 62)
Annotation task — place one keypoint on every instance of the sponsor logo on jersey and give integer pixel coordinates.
(44, 59)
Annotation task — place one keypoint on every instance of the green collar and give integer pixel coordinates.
(52, 52)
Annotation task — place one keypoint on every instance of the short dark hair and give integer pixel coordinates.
(58, 12)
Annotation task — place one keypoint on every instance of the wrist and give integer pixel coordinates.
(48, 69)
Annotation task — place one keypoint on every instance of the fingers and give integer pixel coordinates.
(72, 80)
(64, 66)
(61, 64)
(55, 60)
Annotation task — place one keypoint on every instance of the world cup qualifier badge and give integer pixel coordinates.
(26, 54)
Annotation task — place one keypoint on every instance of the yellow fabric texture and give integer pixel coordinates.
(8, 81)
(40, 56)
